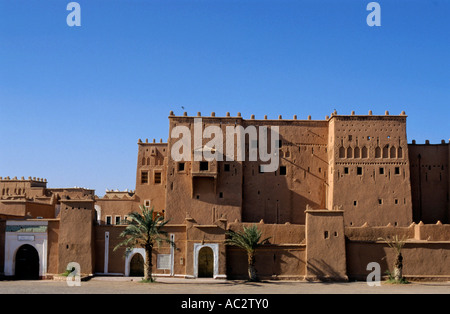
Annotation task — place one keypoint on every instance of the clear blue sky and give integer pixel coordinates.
(75, 100)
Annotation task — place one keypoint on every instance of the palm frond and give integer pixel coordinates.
(144, 228)
(249, 239)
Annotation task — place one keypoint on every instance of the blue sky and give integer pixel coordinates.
(75, 100)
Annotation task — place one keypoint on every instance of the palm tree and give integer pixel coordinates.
(397, 245)
(144, 230)
(249, 240)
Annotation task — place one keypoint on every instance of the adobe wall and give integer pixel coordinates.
(430, 182)
(368, 233)
(370, 175)
(283, 258)
(76, 236)
(282, 196)
(53, 246)
(426, 254)
(201, 234)
(421, 260)
(115, 206)
(13, 208)
(205, 195)
(116, 259)
(151, 175)
(35, 210)
(15, 187)
(325, 245)
(436, 232)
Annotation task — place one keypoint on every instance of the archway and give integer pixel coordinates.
(27, 263)
(205, 262)
(137, 265)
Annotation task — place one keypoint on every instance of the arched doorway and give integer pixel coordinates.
(137, 265)
(27, 263)
(205, 262)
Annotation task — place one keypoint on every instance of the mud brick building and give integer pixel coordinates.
(341, 184)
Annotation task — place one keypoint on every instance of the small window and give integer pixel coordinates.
(381, 170)
(325, 235)
(355, 203)
(396, 201)
(157, 177)
(359, 171)
(204, 166)
(397, 170)
(117, 220)
(346, 170)
(282, 170)
(147, 203)
(220, 194)
(380, 201)
(181, 166)
(144, 177)
(350, 137)
(226, 167)
(108, 220)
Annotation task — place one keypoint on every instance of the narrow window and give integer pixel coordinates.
(396, 201)
(157, 177)
(345, 170)
(108, 220)
(117, 220)
(355, 203)
(378, 152)
(341, 152)
(397, 170)
(380, 201)
(325, 235)
(381, 170)
(282, 170)
(349, 152)
(364, 153)
(226, 167)
(386, 151)
(220, 194)
(144, 177)
(181, 166)
(359, 171)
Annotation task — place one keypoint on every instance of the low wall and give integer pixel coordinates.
(284, 262)
(427, 260)
(283, 258)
